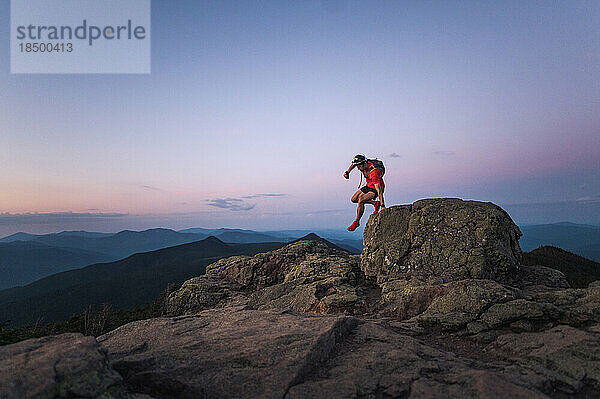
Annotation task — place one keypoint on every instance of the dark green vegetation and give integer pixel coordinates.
(89, 322)
(125, 284)
(22, 262)
(581, 239)
(578, 270)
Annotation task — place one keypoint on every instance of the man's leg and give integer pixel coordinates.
(376, 204)
(361, 198)
(355, 196)
(364, 198)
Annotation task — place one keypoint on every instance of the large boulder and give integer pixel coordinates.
(435, 241)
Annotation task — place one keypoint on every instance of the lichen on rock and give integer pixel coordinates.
(439, 240)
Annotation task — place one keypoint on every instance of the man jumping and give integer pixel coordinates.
(373, 189)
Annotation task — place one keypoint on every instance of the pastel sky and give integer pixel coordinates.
(254, 109)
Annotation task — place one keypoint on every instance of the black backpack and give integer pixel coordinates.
(378, 164)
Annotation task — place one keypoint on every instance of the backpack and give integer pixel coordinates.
(378, 164)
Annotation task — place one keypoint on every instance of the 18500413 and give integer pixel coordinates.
(46, 47)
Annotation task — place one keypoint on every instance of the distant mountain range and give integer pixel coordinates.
(124, 284)
(116, 245)
(26, 257)
(29, 237)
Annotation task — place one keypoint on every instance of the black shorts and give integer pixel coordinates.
(367, 189)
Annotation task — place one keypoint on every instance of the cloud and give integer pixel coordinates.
(394, 155)
(54, 217)
(443, 153)
(151, 188)
(239, 204)
(233, 204)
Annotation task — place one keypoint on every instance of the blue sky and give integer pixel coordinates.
(254, 109)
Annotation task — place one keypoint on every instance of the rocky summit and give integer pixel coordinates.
(437, 306)
(437, 241)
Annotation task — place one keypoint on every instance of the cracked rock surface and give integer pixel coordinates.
(224, 353)
(238, 352)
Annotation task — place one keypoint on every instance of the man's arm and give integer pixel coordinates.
(376, 178)
(380, 194)
(347, 172)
